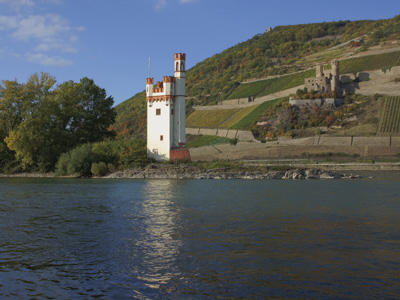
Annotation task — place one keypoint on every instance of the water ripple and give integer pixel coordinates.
(166, 239)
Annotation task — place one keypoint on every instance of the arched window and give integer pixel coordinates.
(177, 67)
(182, 67)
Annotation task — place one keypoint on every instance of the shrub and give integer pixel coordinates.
(80, 160)
(62, 165)
(109, 155)
(99, 169)
(329, 120)
(299, 93)
(76, 162)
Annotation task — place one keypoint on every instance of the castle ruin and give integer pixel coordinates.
(326, 81)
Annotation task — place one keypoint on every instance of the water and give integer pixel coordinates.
(188, 239)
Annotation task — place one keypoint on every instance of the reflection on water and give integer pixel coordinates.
(157, 241)
(166, 239)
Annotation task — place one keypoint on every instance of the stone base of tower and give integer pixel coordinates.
(179, 154)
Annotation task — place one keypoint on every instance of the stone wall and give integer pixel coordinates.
(237, 101)
(362, 146)
(314, 102)
(308, 102)
(241, 135)
(322, 84)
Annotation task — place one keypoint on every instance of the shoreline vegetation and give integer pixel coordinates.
(232, 170)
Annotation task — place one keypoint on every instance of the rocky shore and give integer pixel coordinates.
(27, 175)
(160, 171)
(192, 172)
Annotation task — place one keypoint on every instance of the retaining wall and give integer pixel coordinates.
(362, 146)
(205, 131)
(319, 102)
(244, 150)
(222, 132)
(371, 141)
(239, 101)
(395, 141)
(241, 135)
(334, 141)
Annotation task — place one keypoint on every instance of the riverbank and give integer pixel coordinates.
(28, 175)
(237, 170)
(159, 171)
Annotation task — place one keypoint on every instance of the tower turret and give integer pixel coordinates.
(319, 71)
(180, 99)
(149, 87)
(335, 83)
(180, 64)
(335, 68)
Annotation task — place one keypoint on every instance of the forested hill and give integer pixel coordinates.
(284, 50)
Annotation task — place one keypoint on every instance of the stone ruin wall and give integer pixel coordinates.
(325, 80)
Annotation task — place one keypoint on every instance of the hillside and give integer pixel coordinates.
(274, 61)
(131, 116)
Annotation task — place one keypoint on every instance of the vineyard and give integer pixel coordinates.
(371, 62)
(390, 116)
(271, 85)
(209, 118)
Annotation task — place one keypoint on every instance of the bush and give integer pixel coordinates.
(99, 169)
(299, 93)
(62, 165)
(76, 162)
(109, 155)
(80, 160)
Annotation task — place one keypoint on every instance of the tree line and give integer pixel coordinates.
(40, 120)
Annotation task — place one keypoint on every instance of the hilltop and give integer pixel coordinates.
(272, 62)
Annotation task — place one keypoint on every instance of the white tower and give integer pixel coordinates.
(166, 115)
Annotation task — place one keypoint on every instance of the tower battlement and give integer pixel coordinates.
(180, 56)
(169, 79)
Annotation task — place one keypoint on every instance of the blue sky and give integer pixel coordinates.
(111, 41)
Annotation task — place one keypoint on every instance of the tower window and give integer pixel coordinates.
(172, 111)
(161, 138)
(177, 66)
(158, 112)
(182, 67)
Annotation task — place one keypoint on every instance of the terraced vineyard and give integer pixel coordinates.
(390, 117)
(209, 118)
(237, 117)
(252, 117)
(371, 62)
(271, 85)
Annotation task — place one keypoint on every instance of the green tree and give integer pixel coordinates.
(11, 105)
(54, 121)
(96, 113)
(32, 137)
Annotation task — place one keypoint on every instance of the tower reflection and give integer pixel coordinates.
(158, 243)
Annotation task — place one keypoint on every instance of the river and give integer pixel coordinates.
(200, 239)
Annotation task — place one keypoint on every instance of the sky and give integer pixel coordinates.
(110, 41)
